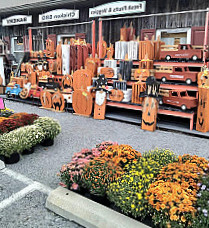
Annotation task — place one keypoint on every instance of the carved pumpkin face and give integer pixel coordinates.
(116, 95)
(149, 114)
(202, 114)
(46, 99)
(67, 82)
(24, 93)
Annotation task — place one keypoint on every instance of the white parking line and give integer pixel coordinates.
(17, 196)
(32, 186)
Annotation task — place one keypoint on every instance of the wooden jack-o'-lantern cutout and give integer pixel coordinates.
(82, 79)
(67, 82)
(203, 110)
(24, 93)
(107, 71)
(58, 102)
(91, 65)
(104, 49)
(82, 102)
(149, 114)
(100, 105)
(116, 95)
(46, 99)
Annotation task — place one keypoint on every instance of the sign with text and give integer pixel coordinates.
(59, 15)
(17, 20)
(116, 8)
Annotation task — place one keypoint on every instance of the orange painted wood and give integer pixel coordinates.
(58, 102)
(50, 48)
(141, 74)
(92, 65)
(24, 93)
(82, 102)
(52, 65)
(202, 124)
(107, 71)
(67, 82)
(104, 49)
(146, 50)
(46, 99)
(149, 114)
(137, 89)
(82, 79)
(116, 95)
(59, 58)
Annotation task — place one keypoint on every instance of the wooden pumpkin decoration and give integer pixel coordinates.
(58, 102)
(91, 65)
(116, 95)
(100, 105)
(202, 124)
(149, 114)
(46, 99)
(107, 71)
(24, 93)
(82, 79)
(82, 102)
(104, 49)
(67, 82)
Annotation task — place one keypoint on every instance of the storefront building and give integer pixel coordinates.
(159, 19)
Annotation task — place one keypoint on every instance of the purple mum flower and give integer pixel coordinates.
(203, 187)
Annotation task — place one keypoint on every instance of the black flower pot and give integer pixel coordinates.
(29, 151)
(14, 158)
(48, 142)
(2, 158)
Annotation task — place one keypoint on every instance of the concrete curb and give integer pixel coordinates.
(86, 212)
(2, 165)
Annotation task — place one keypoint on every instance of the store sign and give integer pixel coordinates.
(17, 20)
(59, 15)
(116, 8)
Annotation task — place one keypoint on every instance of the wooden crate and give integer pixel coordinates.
(138, 88)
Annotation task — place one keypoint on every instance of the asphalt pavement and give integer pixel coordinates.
(24, 186)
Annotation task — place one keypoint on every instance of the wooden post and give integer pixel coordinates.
(93, 39)
(100, 38)
(206, 36)
(30, 40)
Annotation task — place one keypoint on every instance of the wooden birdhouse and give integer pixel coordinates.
(50, 48)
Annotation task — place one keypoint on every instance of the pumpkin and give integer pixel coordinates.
(116, 95)
(67, 82)
(82, 79)
(149, 114)
(107, 71)
(202, 124)
(104, 49)
(58, 102)
(46, 99)
(24, 93)
(52, 66)
(82, 102)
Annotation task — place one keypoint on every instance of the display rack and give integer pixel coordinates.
(179, 114)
